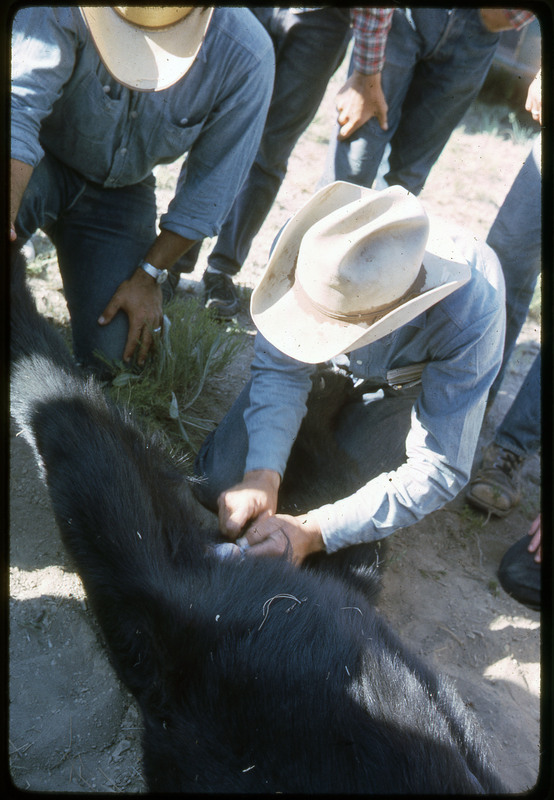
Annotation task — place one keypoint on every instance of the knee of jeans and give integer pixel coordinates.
(100, 348)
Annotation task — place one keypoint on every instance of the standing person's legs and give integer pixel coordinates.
(357, 158)
(516, 239)
(446, 80)
(100, 236)
(520, 430)
(309, 47)
(496, 486)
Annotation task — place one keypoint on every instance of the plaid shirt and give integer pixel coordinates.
(518, 18)
(371, 28)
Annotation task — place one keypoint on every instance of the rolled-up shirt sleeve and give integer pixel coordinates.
(220, 159)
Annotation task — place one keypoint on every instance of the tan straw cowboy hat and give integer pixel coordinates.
(351, 266)
(147, 47)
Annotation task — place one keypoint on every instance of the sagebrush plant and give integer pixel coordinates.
(193, 348)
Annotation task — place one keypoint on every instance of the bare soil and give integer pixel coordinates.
(74, 728)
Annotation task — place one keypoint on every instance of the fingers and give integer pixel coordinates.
(110, 311)
(142, 304)
(266, 538)
(282, 535)
(347, 128)
(143, 338)
(382, 118)
(360, 99)
(251, 499)
(232, 520)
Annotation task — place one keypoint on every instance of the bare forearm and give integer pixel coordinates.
(167, 248)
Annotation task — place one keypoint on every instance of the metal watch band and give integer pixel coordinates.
(159, 275)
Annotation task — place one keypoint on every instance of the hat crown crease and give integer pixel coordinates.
(368, 254)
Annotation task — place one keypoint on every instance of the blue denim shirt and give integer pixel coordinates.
(65, 101)
(461, 340)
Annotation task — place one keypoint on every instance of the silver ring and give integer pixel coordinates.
(157, 330)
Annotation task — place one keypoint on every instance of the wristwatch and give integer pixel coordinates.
(159, 275)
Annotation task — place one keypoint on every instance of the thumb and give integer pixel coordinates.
(233, 522)
(232, 517)
(110, 311)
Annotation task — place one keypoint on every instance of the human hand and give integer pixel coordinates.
(535, 543)
(533, 104)
(282, 534)
(360, 99)
(140, 298)
(255, 495)
(495, 19)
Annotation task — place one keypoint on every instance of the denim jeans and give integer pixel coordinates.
(520, 430)
(436, 62)
(309, 46)
(100, 236)
(515, 237)
(372, 432)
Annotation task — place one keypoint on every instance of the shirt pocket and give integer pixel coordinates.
(172, 139)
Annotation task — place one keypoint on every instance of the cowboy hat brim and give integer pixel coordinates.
(283, 314)
(144, 59)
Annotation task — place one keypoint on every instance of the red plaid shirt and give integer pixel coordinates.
(518, 17)
(371, 28)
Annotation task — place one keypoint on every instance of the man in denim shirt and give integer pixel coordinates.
(100, 96)
(364, 278)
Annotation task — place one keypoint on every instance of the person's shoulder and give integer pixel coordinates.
(483, 295)
(240, 27)
(472, 249)
(47, 21)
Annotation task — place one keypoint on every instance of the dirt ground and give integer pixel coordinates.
(73, 728)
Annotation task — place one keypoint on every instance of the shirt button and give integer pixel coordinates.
(133, 114)
(107, 89)
(123, 151)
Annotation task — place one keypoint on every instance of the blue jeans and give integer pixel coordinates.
(309, 47)
(520, 431)
(436, 62)
(100, 236)
(515, 237)
(373, 434)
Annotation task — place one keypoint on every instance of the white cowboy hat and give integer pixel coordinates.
(351, 266)
(147, 48)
